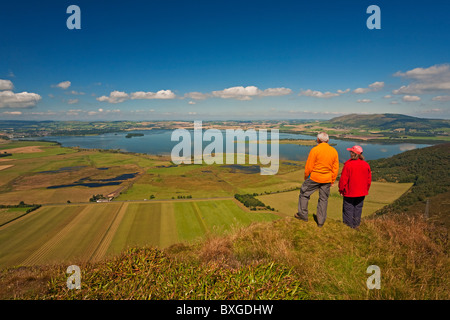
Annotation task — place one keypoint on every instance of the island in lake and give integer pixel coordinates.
(130, 135)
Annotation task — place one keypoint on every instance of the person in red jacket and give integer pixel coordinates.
(354, 185)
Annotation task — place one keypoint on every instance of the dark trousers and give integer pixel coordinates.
(352, 210)
(307, 189)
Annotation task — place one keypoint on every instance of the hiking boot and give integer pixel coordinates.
(299, 218)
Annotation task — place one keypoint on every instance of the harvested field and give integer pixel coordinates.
(77, 234)
(29, 149)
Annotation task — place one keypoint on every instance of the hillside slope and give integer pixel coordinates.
(427, 168)
(285, 259)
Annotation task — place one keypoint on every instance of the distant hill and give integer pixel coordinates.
(388, 121)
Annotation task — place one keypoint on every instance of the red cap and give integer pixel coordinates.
(356, 149)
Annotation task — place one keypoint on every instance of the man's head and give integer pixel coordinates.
(322, 137)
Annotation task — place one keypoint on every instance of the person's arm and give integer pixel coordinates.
(343, 181)
(369, 182)
(335, 169)
(310, 163)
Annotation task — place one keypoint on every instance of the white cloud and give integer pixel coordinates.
(424, 74)
(425, 80)
(114, 97)
(192, 102)
(6, 85)
(408, 98)
(361, 90)
(73, 112)
(435, 110)
(273, 92)
(238, 93)
(120, 96)
(388, 96)
(161, 94)
(197, 95)
(249, 92)
(12, 113)
(63, 85)
(318, 94)
(364, 101)
(72, 101)
(376, 86)
(76, 93)
(302, 112)
(47, 113)
(9, 99)
(441, 98)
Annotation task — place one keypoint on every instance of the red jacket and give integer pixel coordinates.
(356, 178)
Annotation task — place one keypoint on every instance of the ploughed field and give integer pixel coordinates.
(89, 232)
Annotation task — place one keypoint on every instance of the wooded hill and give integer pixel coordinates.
(387, 121)
(427, 168)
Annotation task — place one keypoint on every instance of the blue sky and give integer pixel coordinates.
(200, 60)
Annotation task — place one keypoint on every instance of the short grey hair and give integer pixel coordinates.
(323, 137)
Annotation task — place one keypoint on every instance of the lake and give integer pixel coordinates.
(159, 142)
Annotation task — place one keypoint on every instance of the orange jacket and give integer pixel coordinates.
(322, 164)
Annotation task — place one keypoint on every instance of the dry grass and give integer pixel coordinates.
(25, 282)
(415, 253)
(412, 255)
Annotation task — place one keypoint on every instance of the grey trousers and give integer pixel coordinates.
(352, 210)
(307, 189)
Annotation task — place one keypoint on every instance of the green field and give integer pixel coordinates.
(380, 194)
(30, 175)
(8, 214)
(89, 232)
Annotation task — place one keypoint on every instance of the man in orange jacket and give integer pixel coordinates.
(321, 171)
